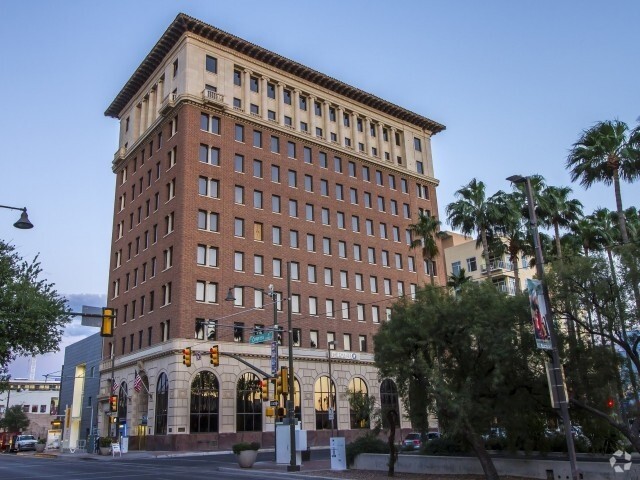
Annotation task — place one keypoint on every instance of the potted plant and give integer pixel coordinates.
(246, 452)
(105, 445)
(40, 446)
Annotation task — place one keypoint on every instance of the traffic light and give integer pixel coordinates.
(186, 356)
(610, 402)
(108, 317)
(284, 379)
(215, 356)
(264, 386)
(279, 387)
(113, 403)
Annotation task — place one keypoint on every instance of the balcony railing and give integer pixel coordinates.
(497, 265)
(209, 96)
(168, 103)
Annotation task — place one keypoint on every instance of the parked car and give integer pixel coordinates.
(412, 441)
(24, 442)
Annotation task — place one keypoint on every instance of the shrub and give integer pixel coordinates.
(242, 446)
(42, 441)
(106, 441)
(443, 446)
(368, 443)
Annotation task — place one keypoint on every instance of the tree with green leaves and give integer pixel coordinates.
(467, 360)
(607, 152)
(471, 212)
(508, 224)
(559, 211)
(424, 234)
(14, 420)
(32, 313)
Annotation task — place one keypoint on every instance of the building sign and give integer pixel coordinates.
(345, 355)
(539, 315)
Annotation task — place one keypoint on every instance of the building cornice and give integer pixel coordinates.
(185, 24)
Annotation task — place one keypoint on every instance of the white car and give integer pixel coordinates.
(24, 442)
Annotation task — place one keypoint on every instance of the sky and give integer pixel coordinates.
(515, 83)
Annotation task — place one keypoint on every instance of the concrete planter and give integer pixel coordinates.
(105, 450)
(40, 447)
(247, 458)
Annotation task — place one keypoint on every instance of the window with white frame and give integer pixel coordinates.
(206, 291)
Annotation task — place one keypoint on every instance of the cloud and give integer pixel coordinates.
(50, 364)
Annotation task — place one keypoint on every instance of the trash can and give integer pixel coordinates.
(306, 454)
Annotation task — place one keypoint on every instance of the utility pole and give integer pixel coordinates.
(558, 383)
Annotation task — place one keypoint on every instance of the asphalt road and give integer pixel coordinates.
(223, 467)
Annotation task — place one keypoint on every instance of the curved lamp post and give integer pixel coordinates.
(23, 223)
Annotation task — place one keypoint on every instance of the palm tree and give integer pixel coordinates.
(508, 224)
(588, 234)
(472, 213)
(558, 210)
(607, 152)
(423, 235)
(456, 281)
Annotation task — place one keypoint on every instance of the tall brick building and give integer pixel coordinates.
(234, 162)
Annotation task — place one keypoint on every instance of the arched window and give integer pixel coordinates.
(205, 395)
(122, 402)
(296, 400)
(322, 403)
(389, 401)
(359, 404)
(248, 404)
(162, 404)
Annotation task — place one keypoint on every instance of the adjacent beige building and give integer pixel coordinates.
(462, 252)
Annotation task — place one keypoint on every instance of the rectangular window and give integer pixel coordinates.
(275, 204)
(472, 266)
(311, 242)
(337, 164)
(326, 246)
(239, 195)
(293, 239)
(254, 109)
(328, 308)
(340, 220)
(238, 261)
(328, 277)
(276, 266)
(311, 274)
(271, 115)
(313, 306)
(254, 84)
(238, 227)
(347, 342)
(291, 150)
(313, 338)
(357, 252)
(257, 139)
(275, 144)
(237, 77)
(211, 64)
(346, 310)
(293, 208)
(307, 155)
(293, 178)
(325, 215)
(258, 264)
(238, 331)
(257, 199)
(271, 90)
(238, 163)
(276, 235)
(323, 160)
(303, 103)
(257, 168)
(286, 96)
(342, 249)
(309, 212)
(239, 133)
(206, 292)
(308, 183)
(417, 144)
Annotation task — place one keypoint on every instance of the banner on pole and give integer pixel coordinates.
(539, 314)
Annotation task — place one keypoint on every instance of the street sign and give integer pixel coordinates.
(261, 338)
(274, 358)
(273, 403)
(331, 414)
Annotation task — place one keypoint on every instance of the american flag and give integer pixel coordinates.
(114, 387)
(137, 382)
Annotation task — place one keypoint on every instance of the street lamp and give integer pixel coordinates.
(330, 346)
(558, 384)
(293, 465)
(23, 223)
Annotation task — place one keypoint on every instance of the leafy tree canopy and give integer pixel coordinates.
(14, 420)
(471, 358)
(32, 313)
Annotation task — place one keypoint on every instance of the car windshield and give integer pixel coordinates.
(27, 437)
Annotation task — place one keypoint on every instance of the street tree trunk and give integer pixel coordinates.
(621, 218)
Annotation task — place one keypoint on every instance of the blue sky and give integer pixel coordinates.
(514, 82)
